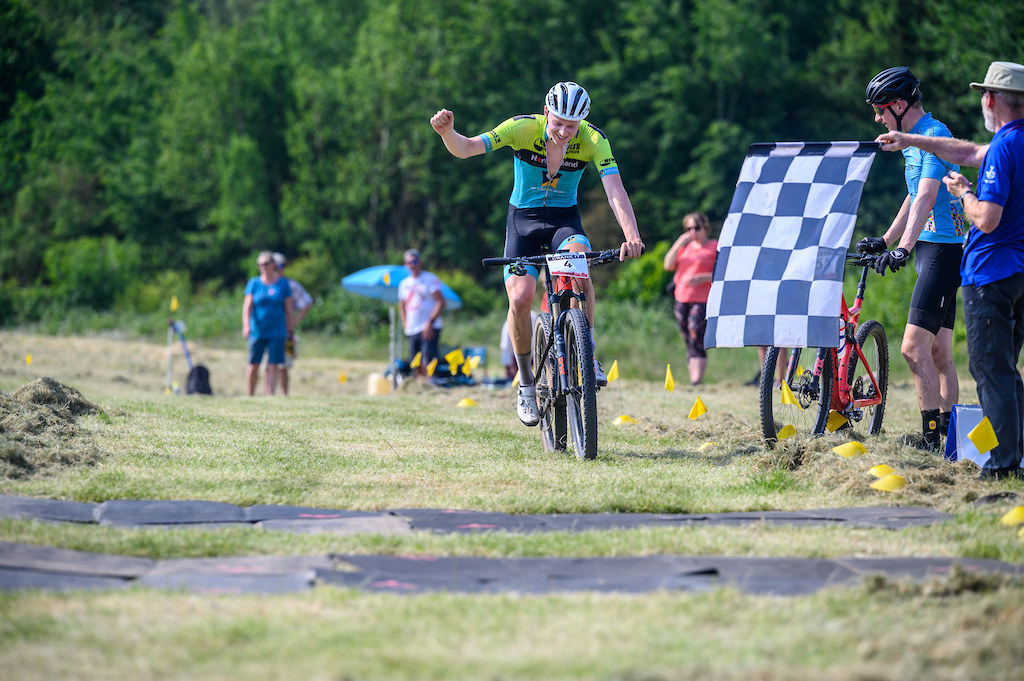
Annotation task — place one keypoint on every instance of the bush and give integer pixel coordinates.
(90, 271)
(642, 280)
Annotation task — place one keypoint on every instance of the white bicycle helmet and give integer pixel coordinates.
(568, 100)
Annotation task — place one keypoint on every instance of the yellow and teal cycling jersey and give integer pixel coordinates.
(527, 135)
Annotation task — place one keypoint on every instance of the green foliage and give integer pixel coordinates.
(200, 133)
(642, 280)
(89, 271)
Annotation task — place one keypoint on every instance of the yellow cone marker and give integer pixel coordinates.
(415, 363)
(850, 449)
(881, 470)
(624, 419)
(455, 357)
(983, 437)
(789, 398)
(670, 384)
(431, 367)
(698, 409)
(834, 422)
(342, 378)
(1014, 517)
(28, 358)
(467, 402)
(889, 483)
(613, 373)
(786, 431)
(174, 303)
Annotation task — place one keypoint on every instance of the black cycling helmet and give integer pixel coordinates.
(892, 84)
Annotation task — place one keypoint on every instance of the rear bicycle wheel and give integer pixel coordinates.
(552, 409)
(873, 343)
(581, 400)
(799, 404)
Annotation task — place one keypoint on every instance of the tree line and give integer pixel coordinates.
(149, 144)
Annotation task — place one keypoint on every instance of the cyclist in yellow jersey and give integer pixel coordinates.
(551, 152)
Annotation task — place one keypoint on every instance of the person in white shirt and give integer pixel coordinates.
(301, 303)
(421, 306)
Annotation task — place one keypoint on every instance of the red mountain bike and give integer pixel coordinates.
(851, 381)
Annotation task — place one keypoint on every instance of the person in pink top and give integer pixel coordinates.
(692, 258)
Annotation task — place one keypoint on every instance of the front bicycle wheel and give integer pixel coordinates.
(552, 407)
(581, 400)
(800, 402)
(872, 341)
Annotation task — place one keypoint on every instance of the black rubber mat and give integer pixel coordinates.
(209, 514)
(36, 567)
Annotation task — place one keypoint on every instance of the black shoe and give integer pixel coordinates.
(1008, 473)
(756, 380)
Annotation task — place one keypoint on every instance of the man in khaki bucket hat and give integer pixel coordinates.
(992, 270)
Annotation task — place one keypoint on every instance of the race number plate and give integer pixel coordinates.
(568, 265)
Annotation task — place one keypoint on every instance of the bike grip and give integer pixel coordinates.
(494, 262)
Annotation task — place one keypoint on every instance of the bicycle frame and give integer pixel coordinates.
(843, 400)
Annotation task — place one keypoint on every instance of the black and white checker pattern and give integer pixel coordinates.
(779, 273)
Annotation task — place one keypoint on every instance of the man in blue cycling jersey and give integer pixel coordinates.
(551, 152)
(931, 222)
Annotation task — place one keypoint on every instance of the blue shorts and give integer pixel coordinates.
(273, 346)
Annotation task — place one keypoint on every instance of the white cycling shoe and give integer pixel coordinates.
(602, 380)
(526, 405)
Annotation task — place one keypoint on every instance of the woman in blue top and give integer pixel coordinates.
(930, 221)
(266, 321)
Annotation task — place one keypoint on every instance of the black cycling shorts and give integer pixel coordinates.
(533, 231)
(933, 304)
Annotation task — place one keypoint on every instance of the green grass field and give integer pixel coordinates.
(331, 445)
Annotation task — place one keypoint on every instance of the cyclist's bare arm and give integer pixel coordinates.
(960, 152)
(633, 247)
(457, 144)
(920, 208)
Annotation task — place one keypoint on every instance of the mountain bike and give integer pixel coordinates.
(851, 381)
(563, 354)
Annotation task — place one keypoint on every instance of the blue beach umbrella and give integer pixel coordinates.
(381, 282)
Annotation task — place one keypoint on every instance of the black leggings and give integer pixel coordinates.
(933, 304)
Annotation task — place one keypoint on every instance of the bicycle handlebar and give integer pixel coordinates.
(861, 259)
(595, 258)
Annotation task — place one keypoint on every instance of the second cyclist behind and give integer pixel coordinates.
(930, 221)
(551, 152)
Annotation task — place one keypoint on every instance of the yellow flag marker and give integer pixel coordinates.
(698, 409)
(706, 445)
(786, 431)
(789, 398)
(624, 419)
(850, 449)
(881, 470)
(467, 402)
(1014, 517)
(415, 363)
(983, 437)
(670, 384)
(174, 303)
(515, 380)
(834, 422)
(455, 357)
(28, 358)
(467, 370)
(889, 483)
(431, 367)
(342, 378)
(799, 370)
(474, 361)
(387, 279)
(613, 373)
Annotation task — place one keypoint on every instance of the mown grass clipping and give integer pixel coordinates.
(39, 429)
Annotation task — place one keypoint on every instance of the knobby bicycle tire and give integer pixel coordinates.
(581, 401)
(810, 411)
(873, 343)
(552, 408)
